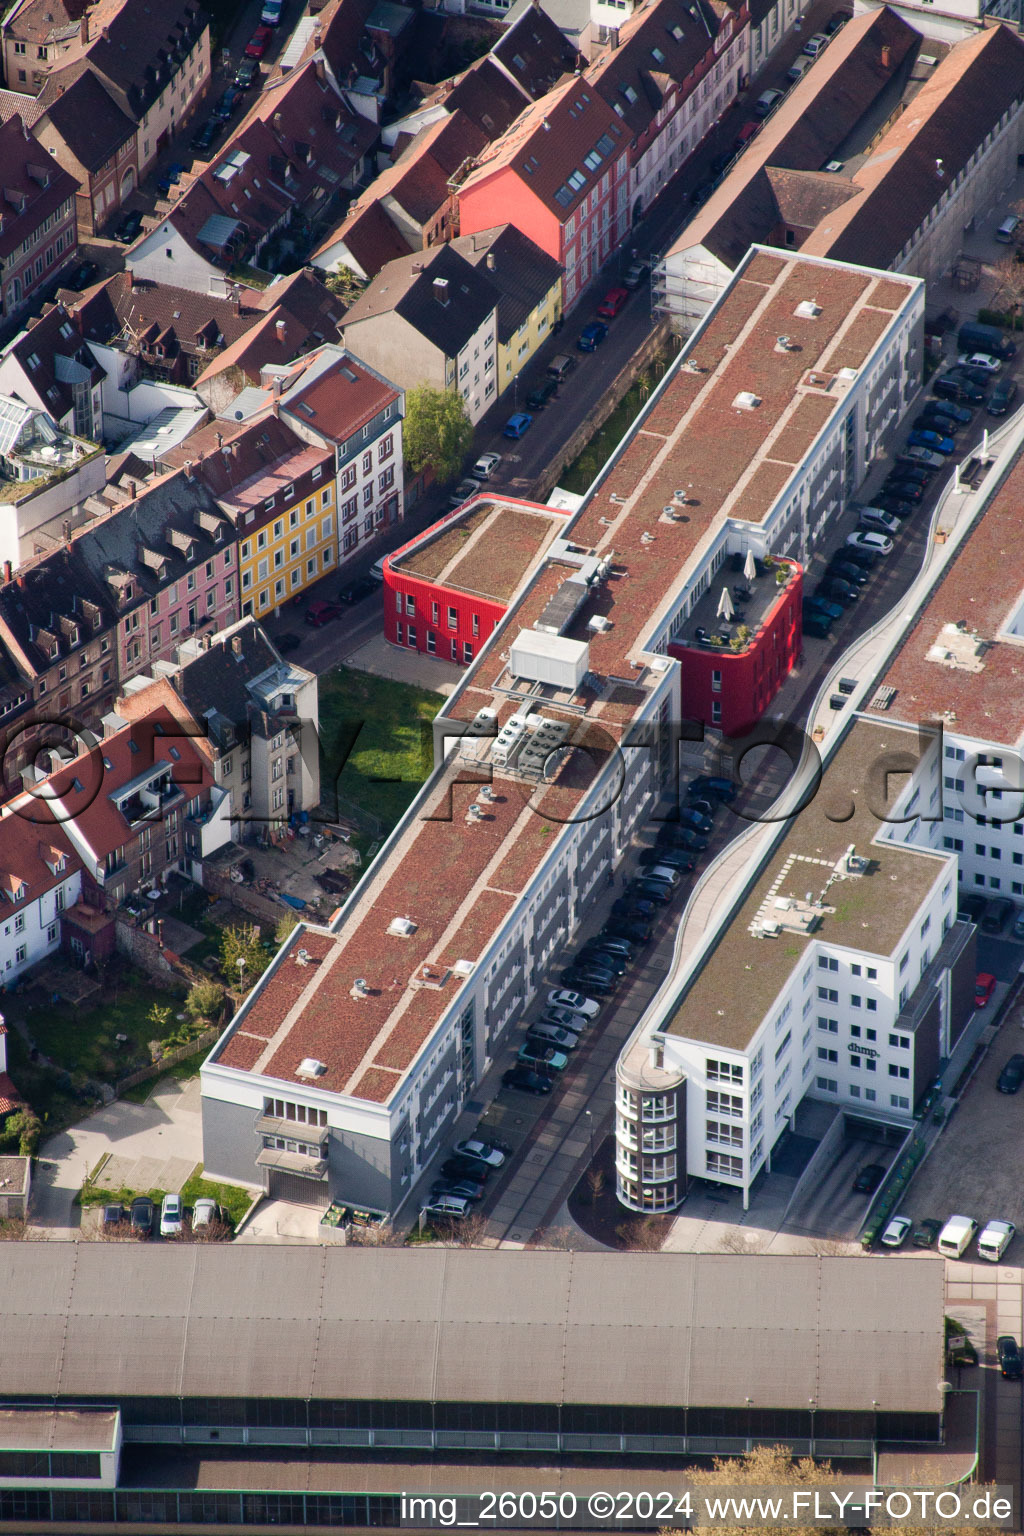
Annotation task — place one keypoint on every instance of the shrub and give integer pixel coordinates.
(205, 1000)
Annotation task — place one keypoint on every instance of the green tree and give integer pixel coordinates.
(437, 432)
(159, 1018)
(205, 1000)
(345, 284)
(242, 956)
(283, 931)
(25, 1127)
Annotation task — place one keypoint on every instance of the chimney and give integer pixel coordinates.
(188, 469)
(275, 385)
(280, 327)
(440, 291)
(320, 70)
(133, 489)
(8, 571)
(220, 439)
(491, 263)
(236, 644)
(127, 275)
(886, 56)
(84, 30)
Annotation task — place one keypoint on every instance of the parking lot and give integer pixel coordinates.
(974, 1168)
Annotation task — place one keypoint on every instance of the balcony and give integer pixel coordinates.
(751, 599)
(270, 1125)
(292, 1162)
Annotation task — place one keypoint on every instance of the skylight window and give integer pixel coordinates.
(577, 180)
(629, 93)
(657, 56)
(592, 161)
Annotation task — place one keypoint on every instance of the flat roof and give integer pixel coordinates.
(465, 1325)
(741, 978)
(486, 548)
(457, 878)
(959, 661)
(61, 1429)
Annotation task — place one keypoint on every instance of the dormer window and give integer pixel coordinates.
(54, 651)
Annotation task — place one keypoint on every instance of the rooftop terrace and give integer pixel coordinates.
(811, 887)
(610, 579)
(485, 548)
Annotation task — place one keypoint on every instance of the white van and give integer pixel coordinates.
(995, 1240)
(1006, 233)
(955, 1236)
(377, 569)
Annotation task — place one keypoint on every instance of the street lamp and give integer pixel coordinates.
(812, 1403)
(590, 1131)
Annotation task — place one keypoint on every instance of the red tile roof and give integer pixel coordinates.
(34, 185)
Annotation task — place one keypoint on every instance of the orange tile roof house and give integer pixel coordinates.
(374, 1032)
(38, 219)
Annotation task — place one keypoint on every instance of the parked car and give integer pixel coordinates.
(926, 1233)
(984, 986)
(922, 437)
(86, 273)
(815, 45)
(674, 858)
(694, 819)
(1012, 1075)
(612, 302)
(171, 1216)
(575, 1002)
(247, 73)
(997, 911)
(817, 626)
(463, 1189)
(702, 806)
(654, 889)
(983, 360)
(950, 386)
(603, 983)
(355, 591)
(798, 69)
(526, 1080)
(877, 543)
(635, 274)
(969, 907)
(227, 103)
(591, 336)
(632, 908)
(815, 603)
(518, 424)
(934, 419)
(909, 492)
(1018, 925)
(836, 20)
(448, 1208)
(715, 788)
(561, 1018)
(748, 131)
(270, 15)
(463, 491)
(767, 102)
(142, 1215)
(895, 1234)
(465, 1168)
(979, 376)
(603, 959)
(480, 1152)
(849, 570)
(320, 613)
(485, 466)
(874, 517)
(621, 928)
(839, 591)
(1010, 1363)
(203, 138)
(1002, 397)
(869, 1178)
(113, 1216)
(612, 946)
(538, 398)
(552, 1034)
(129, 228)
(994, 1241)
(258, 44)
(169, 178)
(959, 414)
(205, 1213)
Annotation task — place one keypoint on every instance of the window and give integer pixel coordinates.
(828, 994)
(831, 1025)
(724, 1071)
(898, 1101)
(827, 1084)
(897, 1071)
(901, 1042)
(826, 1054)
(723, 1163)
(827, 963)
(724, 1103)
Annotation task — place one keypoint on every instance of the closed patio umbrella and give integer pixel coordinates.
(725, 607)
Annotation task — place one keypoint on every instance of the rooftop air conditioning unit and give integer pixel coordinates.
(310, 1067)
(402, 927)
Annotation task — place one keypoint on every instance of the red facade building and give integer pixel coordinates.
(729, 677)
(446, 589)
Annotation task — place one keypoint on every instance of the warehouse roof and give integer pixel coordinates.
(470, 1326)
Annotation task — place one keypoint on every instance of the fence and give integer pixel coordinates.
(202, 1042)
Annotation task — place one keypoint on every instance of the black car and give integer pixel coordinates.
(365, 586)
(958, 414)
(603, 984)
(712, 787)
(228, 103)
(683, 837)
(869, 1178)
(997, 911)
(846, 570)
(705, 807)
(142, 1215)
(1012, 1075)
(129, 228)
(969, 907)
(247, 74)
(926, 1233)
(979, 376)
(632, 909)
(621, 928)
(817, 626)
(113, 1216)
(526, 1080)
(287, 642)
(672, 858)
(910, 474)
(838, 591)
(951, 387)
(865, 557)
(1002, 397)
(654, 889)
(602, 959)
(1010, 1363)
(538, 398)
(469, 1189)
(204, 137)
(465, 1168)
(836, 20)
(934, 420)
(85, 273)
(896, 505)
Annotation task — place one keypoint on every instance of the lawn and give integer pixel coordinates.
(381, 732)
(233, 1201)
(83, 1040)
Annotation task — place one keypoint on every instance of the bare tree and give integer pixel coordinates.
(738, 1240)
(118, 1232)
(595, 1184)
(15, 1229)
(468, 1232)
(1010, 274)
(644, 1234)
(561, 1238)
(833, 1248)
(383, 1236)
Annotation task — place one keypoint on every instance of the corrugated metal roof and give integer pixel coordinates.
(39, 1429)
(694, 1330)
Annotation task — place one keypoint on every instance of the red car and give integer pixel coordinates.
(612, 303)
(258, 44)
(984, 986)
(318, 614)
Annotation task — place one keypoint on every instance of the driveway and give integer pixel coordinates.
(163, 1138)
